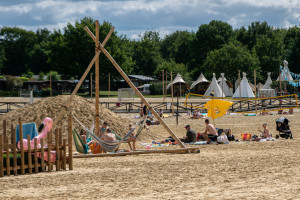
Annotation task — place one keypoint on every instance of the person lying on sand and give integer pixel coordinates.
(210, 133)
(264, 133)
(197, 115)
(132, 138)
(190, 135)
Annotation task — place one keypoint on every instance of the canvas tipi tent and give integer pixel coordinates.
(201, 79)
(285, 75)
(214, 87)
(246, 91)
(268, 82)
(225, 88)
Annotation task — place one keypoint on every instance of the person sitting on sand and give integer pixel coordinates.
(190, 135)
(132, 138)
(161, 113)
(197, 115)
(264, 133)
(210, 133)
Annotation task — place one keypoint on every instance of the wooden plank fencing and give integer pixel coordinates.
(32, 159)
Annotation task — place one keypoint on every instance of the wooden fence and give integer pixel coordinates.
(14, 161)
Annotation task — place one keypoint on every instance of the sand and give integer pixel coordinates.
(242, 170)
(80, 107)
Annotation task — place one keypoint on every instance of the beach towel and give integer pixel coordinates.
(28, 129)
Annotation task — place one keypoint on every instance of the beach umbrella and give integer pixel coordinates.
(217, 108)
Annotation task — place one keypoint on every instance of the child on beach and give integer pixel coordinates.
(132, 138)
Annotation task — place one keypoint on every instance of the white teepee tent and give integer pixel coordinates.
(268, 82)
(214, 87)
(286, 75)
(224, 87)
(199, 80)
(178, 79)
(245, 88)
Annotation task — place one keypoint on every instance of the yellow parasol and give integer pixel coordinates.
(217, 108)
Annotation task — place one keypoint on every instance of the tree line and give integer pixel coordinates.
(214, 48)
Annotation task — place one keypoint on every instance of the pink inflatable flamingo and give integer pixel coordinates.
(47, 125)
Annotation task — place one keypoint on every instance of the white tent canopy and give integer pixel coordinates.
(224, 87)
(246, 91)
(214, 87)
(286, 75)
(199, 80)
(177, 79)
(268, 82)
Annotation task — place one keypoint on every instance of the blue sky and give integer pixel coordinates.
(133, 17)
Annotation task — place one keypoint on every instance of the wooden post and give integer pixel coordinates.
(172, 93)
(36, 168)
(280, 82)
(64, 154)
(1, 156)
(137, 92)
(4, 128)
(108, 85)
(60, 145)
(57, 150)
(97, 123)
(91, 79)
(255, 91)
(7, 156)
(68, 102)
(49, 151)
(163, 85)
(240, 89)
(21, 146)
(177, 108)
(13, 132)
(42, 155)
(29, 155)
(50, 83)
(166, 83)
(70, 142)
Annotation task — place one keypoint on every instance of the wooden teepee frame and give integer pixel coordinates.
(100, 48)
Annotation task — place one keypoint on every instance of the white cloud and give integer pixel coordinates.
(133, 17)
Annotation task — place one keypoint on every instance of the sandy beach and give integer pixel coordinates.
(239, 170)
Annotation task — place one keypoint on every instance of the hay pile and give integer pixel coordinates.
(83, 109)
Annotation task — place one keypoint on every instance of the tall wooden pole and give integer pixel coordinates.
(166, 83)
(163, 85)
(91, 79)
(280, 82)
(240, 89)
(255, 91)
(108, 85)
(172, 93)
(97, 123)
(50, 83)
(137, 92)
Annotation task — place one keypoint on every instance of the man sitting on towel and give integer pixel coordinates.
(190, 135)
(210, 133)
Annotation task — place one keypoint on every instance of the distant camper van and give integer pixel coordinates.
(145, 89)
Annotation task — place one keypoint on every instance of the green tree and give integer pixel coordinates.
(54, 76)
(171, 65)
(209, 37)
(146, 54)
(17, 44)
(177, 46)
(229, 59)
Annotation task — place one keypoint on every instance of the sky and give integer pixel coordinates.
(133, 17)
